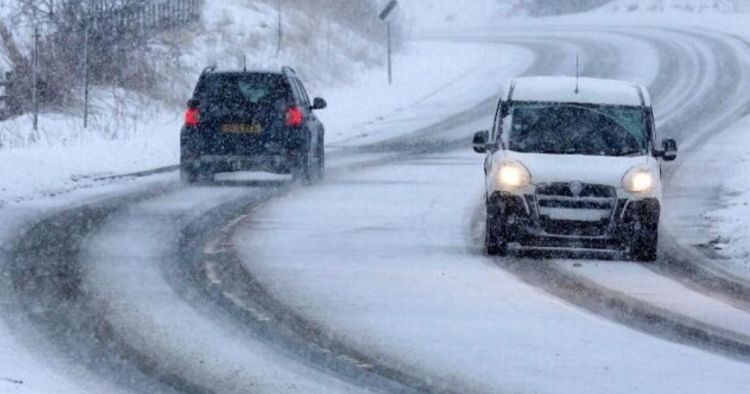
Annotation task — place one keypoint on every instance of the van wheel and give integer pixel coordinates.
(494, 242)
(645, 247)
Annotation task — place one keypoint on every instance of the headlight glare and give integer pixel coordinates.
(639, 180)
(513, 175)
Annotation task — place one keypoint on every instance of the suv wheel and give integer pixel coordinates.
(301, 171)
(188, 175)
(321, 156)
(494, 243)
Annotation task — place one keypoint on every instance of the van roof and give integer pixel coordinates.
(590, 91)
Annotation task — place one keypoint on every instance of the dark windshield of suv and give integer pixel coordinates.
(597, 130)
(248, 94)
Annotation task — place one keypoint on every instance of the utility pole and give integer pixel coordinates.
(35, 77)
(280, 30)
(86, 75)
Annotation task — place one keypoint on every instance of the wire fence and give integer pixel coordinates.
(142, 15)
(97, 41)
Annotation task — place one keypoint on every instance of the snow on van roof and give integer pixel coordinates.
(590, 91)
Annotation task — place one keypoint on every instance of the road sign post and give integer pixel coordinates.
(390, 56)
(386, 17)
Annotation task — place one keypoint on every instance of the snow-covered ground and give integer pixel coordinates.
(62, 164)
(421, 292)
(731, 228)
(28, 364)
(711, 210)
(145, 309)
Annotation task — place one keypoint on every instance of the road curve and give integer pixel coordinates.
(51, 261)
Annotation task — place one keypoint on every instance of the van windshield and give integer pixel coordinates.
(594, 130)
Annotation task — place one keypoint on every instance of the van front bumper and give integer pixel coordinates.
(574, 224)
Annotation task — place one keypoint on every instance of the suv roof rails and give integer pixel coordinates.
(286, 70)
(208, 69)
(641, 95)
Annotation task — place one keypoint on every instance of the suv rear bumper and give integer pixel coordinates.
(280, 164)
(210, 152)
(523, 227)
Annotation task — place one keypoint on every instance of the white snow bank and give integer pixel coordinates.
(65, 157)
(714, 216)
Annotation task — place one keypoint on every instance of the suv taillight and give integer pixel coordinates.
(294, 117)
(192, 117)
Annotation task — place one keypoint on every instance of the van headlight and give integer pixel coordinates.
(513, 175)
(639, 180)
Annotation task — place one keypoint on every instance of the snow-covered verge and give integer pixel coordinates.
(426, 15)
(732, 228)
(712, 211)
(679, 5)
(426, 90)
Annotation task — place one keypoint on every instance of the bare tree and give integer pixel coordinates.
(116, 30)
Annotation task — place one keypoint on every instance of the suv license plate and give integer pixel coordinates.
(242, 129)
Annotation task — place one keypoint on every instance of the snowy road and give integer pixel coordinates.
(373, 280)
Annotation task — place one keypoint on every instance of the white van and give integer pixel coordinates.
(573, 164)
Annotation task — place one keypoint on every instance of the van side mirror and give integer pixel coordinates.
(193, 103)
(319, 103)
(669, 149)
(481, 141)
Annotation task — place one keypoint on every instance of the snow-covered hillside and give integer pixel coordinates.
(132, 132)
(326, 51)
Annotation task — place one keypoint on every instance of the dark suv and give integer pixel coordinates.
(251, 121)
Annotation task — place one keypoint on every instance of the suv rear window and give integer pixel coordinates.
(222, 94)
